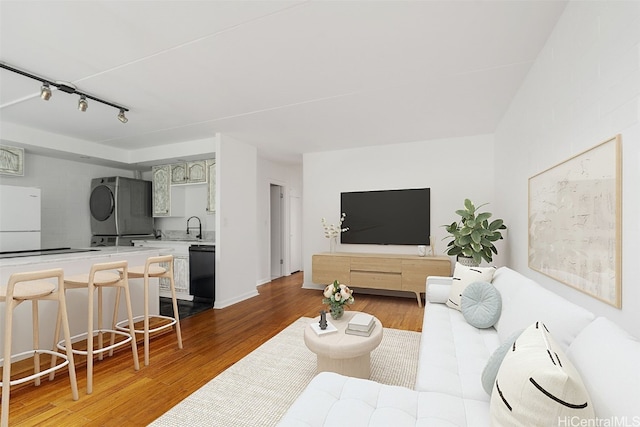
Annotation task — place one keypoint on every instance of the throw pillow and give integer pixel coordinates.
(481, 305)
(490, 371)
(538, 385)
(463, 276)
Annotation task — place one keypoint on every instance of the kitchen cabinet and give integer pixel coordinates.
(189, 172)
(161, 186)
(179, 173)
(12, 160)
(180, 277)
(180, 252)
(168, 186)
(196, 172)
(168, 200)
(211, 185)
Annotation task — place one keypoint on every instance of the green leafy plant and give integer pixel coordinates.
(473, 235)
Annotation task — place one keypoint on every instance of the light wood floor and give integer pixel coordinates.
(213, 341)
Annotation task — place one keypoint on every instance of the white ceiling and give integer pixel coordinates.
(286, 76)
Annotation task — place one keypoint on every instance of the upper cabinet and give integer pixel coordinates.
(189, 172)
(168, 191)
(178, 173)
(161, 184)
(211, 188)
(197, 171)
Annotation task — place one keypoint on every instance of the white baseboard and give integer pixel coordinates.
(231, 301)
(263, 281)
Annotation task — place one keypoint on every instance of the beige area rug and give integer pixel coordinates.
(258, 389)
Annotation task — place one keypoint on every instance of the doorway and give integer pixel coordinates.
(277, 230)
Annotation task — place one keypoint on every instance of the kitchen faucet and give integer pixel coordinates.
(199, 236)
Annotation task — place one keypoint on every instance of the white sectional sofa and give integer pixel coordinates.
(453, 355)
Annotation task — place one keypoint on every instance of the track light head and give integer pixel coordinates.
(122, 117)
(82, 103)
(45, 91)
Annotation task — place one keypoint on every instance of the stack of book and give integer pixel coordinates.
(361, 324)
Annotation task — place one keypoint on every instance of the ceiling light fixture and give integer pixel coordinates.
(83, 104)
(45, 91)
(122, 117)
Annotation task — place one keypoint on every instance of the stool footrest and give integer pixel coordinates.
(99, 350)
(172, 321)
(47, 371)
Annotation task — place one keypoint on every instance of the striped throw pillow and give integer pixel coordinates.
(537, 385)
(463, 276)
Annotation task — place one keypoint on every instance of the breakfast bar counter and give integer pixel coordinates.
(72, 264)
(105, 254)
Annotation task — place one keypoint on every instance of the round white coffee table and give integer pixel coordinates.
(340, 352)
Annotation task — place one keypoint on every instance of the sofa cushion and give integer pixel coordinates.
(453, 354)
(463, 276)
(481, 305)
(525, 302)
(490, 371)
(608, 358)
(334, 400)
(538, 385)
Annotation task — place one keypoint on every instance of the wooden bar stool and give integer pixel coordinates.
(153, 269)
(33, 286)
(98, 278)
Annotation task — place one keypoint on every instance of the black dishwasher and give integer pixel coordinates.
(202, 273)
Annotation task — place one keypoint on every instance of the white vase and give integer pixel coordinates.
(333, 243)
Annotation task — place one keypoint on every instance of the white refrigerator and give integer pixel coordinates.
(19, 218)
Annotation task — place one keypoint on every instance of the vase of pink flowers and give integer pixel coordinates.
(337, 295)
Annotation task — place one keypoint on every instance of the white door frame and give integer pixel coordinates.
(278, 261)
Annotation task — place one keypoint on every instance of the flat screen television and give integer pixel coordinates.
(387, 217)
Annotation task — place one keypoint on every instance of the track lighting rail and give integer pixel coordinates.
(45, 91)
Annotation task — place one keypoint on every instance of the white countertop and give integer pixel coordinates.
(177, 241)
(57, 258)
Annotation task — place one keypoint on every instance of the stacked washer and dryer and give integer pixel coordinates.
(120, 211)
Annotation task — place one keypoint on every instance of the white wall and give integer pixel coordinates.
(583, 89)
(236, 231)
(289, 177)
(66, 187)
(454, 169)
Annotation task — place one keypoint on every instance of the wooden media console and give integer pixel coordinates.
(393, 272)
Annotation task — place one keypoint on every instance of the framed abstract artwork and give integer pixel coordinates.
(575, 222)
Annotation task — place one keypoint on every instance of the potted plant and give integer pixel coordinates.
(473, 236)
